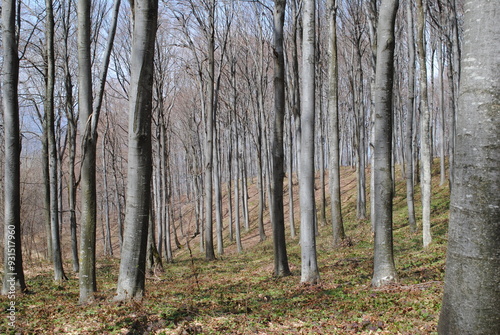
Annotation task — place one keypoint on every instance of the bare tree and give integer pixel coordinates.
(13, 274)
(88, 218)
(384, 270)
(425, 128)
(278, 221)
(131, 279)
(209, 136)
(51, 143)
(89, 118)
(471, 291)
(310, 272)
(333, 111)
(409, 121)
(72, 119)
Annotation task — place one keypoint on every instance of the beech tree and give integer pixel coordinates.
(278, 220)
(51, 143)
(471, 291)
(310, 272)
(13, 274)
(132, 276)
(384, 270)
(88, 219)
(89, 110)
(333, 111)
(409, 120)
(425, 128)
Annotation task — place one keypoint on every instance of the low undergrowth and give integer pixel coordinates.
(237, 294)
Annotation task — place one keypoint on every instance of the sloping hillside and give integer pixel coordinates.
(237, 294)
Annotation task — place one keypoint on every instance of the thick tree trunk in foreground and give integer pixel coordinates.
(131, 279)
(13, 274)
(278, 220)
(472, 280)
(310, 272)
(384, 270)
(333, 111)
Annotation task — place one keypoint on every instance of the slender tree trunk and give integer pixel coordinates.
(278, 221)
(442, 113)
(409, 122)
(218, 201)
(13, 274)
(52, 145)
(310, 272)
(384, 271)
(88, 128)
(131, 279)
(455, 83)
(425, 129)
(108, 250)
(333, 114)
(209, 140)
(361, 149)
(471, 289)
(46, 185)
(88, 219)
(371, 13)
(229, 184)
(244, 186)
(291, 214)
(237, 192)
(118, 200)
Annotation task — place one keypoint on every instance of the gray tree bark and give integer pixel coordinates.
(131, 279)
(281, 267)
(310, 272)
(425, 129)
(88, 128)
(72, 133)
(209, 138)
(51, 142)
(13, 274)
(88, 218)
(472, 281)
(409, 122)
(333, 114)
(384, 271)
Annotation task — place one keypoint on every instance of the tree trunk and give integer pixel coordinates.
(108, 249)
(409, 122)
(52, 145)
(425, 129)
(384, 271)
(13, 274)
(333, 111)
(88, 182)
(46, 185)
(131, 279)
(310, 272)
(291, 214)
(72, 133)
(237, 230)
(471, 289)
(218, 201)
(278, 221)
(209, 140)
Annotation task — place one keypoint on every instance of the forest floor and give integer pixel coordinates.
(237, 293)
